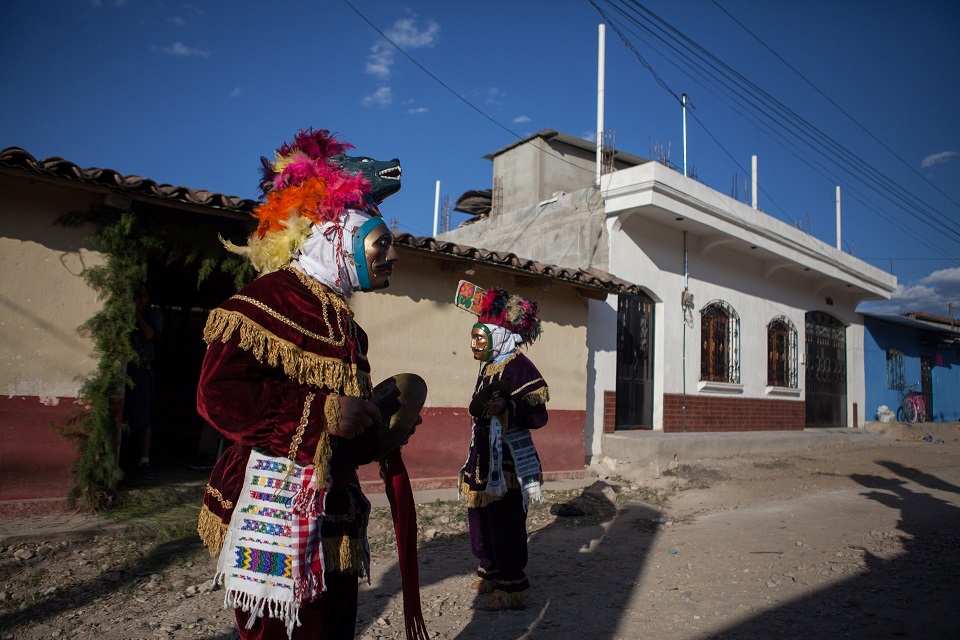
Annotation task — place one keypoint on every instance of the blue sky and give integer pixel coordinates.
(192, 94)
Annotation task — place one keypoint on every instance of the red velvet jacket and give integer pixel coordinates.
(278, 342)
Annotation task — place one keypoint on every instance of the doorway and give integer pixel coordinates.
(634, 409)
(178, 430)
(826, 371)
(926, 385)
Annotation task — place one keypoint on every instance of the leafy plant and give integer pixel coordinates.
(128, 240)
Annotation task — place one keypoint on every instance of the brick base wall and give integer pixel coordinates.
(609, 411)
(709, 413)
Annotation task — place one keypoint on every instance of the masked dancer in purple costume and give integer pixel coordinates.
(502, 472)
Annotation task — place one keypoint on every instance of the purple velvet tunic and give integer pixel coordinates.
(526, 409)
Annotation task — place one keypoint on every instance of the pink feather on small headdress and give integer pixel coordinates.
(516, 314)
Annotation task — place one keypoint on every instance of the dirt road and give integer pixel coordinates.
(847, 542)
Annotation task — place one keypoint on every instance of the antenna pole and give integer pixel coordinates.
(838, 218)
(601, 63)
(436, 209)
(683, 101)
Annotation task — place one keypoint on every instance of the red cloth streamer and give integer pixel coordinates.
(397, 486)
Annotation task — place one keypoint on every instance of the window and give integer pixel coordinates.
(895, 375)
(781, 353)
(720, 343)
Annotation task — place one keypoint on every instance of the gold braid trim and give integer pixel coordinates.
(317, 289)
(480, 499)
(298, 435)
(303, 366)
(226, 504)
(493, 369)
(212, 531)
(540, 396)
(343, 554)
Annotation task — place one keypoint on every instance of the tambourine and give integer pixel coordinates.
(478, 406)
(396, 428)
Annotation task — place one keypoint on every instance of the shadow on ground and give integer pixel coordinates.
(914, 595)
(604, 549)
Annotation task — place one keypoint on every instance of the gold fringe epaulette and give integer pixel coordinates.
(321, 458)
(540, 396)
(212, 531)
(343, 554)
(480, 499)
(302, 366)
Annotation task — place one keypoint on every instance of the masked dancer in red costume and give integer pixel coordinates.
(502, 472)
(287, 381)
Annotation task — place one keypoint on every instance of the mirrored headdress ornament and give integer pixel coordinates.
(498, 307)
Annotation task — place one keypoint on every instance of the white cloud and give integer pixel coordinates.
(380, 60)
(938, 158)
(930, 294)
(177, 20)
(418, 110)
(380, 98)
(946, 282)
(183, 51)
(491, 95)
(405, 34)
(590, 136)
(521, 119)
(235, 93)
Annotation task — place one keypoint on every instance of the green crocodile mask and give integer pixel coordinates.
(384, 175)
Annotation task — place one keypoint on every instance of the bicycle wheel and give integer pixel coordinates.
(910, 410)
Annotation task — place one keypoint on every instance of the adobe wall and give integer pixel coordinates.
(43, 302)
(414, 326)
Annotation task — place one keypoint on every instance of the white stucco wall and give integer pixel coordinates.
(601, 367)
(652, 251)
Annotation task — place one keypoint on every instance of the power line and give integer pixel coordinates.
(445, 85)
(701, 62)
(837, 106)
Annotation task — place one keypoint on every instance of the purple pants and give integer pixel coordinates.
(498, 538)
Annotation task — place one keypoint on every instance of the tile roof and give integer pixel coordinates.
(58, 168)
(590, 278)
(134, 186)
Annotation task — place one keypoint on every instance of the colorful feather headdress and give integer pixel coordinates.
(497, 306)
(302, 179)
(301, 187)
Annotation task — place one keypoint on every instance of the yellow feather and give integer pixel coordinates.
(274, 250)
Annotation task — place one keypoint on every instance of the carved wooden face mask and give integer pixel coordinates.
(481, 342)
(379, 256)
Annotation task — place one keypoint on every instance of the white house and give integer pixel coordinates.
(744, 324)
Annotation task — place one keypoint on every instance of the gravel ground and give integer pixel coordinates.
(848, 542)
